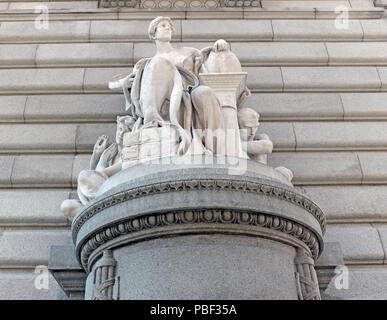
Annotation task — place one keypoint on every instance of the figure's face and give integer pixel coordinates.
(163, 31)
(121, 129)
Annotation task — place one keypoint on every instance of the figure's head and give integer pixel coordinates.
(248, 119)
(124, 124)
(161, 29)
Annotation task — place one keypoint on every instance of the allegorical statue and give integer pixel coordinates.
(169, 112)
(165, 89)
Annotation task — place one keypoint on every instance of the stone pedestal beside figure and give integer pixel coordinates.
(183, 205)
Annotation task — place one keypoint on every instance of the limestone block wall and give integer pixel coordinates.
(321, 92)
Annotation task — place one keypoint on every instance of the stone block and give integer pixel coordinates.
(360, 243)
(370, 106)
(373, 165)
(370, 53)
(364, 283)
(97, 79)
(239, 30)
(319, 168)
(383, 77)
(12, 108)
(300, 106)
(42, 171)
(374, 29)
(114, 30)
(20, 285)
(316, 30)
(41, 80)
(25, 31)
(270, 4)
(84, 54)
(70, 5)
(32, 207)
(264, 78)
(81, 162)
(17, 54)
(37, 138)
(340, 136)
(251, 53)
(280, 133)
(6, 165)
(87, 135)
(29, 248)
(330, 78)
(75, 107)
(351, 204)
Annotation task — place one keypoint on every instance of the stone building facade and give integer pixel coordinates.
(318, 81)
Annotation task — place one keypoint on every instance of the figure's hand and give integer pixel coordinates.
(100, 145)
(109, 153)
(221, 45)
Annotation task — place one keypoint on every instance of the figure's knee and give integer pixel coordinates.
(203, 94)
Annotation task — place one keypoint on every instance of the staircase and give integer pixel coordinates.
(319, 85)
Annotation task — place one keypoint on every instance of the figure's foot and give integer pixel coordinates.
(70, 207)
(286, 172)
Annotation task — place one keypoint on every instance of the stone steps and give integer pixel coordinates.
(309, 168)
(194, 30)
(258, 54)
(260, 79)
(279, 107)
(287, 136)
(17, 13)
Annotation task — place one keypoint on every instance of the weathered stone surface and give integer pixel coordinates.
(58, 31)
(365, 105)
(41, 80)
(125, 30)
(22, 54)
(374, 30)
(32, 207)
(340, 135)
(316, 30)
(29, 248)
(87, 135)
(281, 134)
(12, 108)
(357, 52)
(351, 203)
(72, 5)
(84, 54)
(81, 162)
(97, 79)
(231, 30)
(280, 53)
(52, 171)
(6, 165)
(382, 230)
(20, 285)
(364, 283)
(330, 78)
(299, 106)
(373, 166)
(360, 243)
(383, 76)
(270, 4)
(73, 107)
(319, 168)
(264, 78)
(37, 138)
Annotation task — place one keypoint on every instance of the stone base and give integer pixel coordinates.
(149, 144)
(196, 231)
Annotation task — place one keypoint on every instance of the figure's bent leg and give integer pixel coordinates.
(209, 118)
(156, 86)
